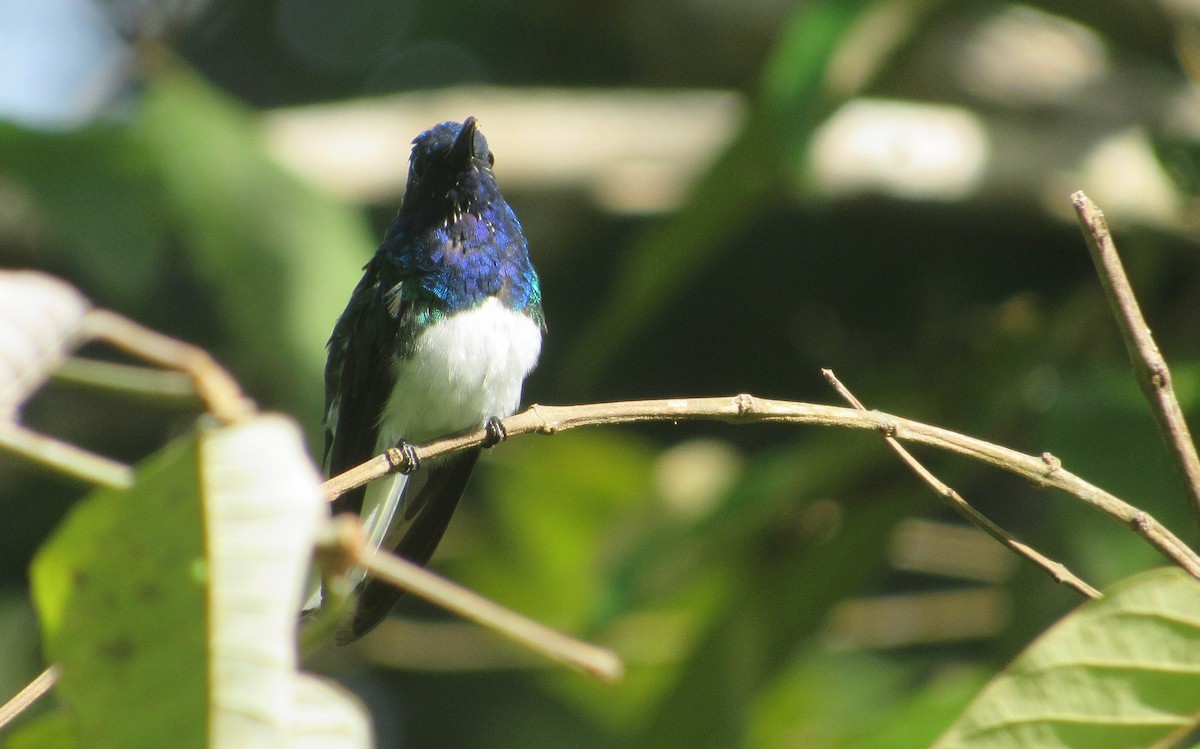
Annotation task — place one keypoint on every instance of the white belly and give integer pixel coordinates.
(464, 369)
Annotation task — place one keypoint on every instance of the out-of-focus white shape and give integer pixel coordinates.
(953, 550)
(1187, 9)
(262, 505)
(692, 476)
(637, 151)
(60, 62)
(908, 150)
(895, 621)
(1023, 56)
(1123, 175)
(40, 318)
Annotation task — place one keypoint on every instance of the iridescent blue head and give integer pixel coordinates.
(455, 241)
(451, 167)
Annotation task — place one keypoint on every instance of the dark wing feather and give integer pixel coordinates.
(358, 381)
(430, 498)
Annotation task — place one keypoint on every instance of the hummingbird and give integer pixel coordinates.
(438, 337)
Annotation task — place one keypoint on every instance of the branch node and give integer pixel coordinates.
(1141, 521)
(545, 427)
(1160, 378)
(338, 541)
(887, 426)
(1052, 465)
(744, 402)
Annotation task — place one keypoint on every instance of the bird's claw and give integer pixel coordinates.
(409, 460)
(496, 433)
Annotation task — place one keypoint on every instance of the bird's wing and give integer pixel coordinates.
(358, 380)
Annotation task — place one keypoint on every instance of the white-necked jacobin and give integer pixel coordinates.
(438, 337)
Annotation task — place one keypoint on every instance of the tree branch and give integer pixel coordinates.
(1044, 471)
(221, 393)
(347, 539)
(27, 696)
(1149, 366)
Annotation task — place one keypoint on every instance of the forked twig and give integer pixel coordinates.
(1057, 570)
(221, 393)
(1149, 366)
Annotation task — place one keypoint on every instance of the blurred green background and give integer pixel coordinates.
(721, 197)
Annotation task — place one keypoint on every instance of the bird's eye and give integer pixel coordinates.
(491, 159)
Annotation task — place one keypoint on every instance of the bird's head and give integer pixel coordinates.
(450, 167)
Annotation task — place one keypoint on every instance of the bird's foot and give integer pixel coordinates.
(409, 460)
(496, 433)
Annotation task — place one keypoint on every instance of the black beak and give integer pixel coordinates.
(463, 149)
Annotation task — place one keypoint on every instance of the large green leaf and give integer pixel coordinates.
(1121, 671)
(279, 257)
(170, 608)
(120, 590)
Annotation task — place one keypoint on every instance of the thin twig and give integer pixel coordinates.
(126, 378)
(221, 394)
(64, 457)
(1057, 570)
(1149, 366)
(1044, 470)
(591, 659)
(27, 696)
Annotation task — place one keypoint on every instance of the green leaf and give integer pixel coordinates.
(98, 188)
(860, 700)
(172, 618)
(120, 591)
(1121, 671)
(280, 257)
(50, 731)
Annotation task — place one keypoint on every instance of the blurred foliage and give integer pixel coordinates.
(979, 313)
(119, 600)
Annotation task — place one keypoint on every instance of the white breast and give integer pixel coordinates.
(464, 369)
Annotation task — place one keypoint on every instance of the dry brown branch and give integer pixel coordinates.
(1057, 570)
(598, 662)
(221, 394)
(1149, 366)
(1044, 470)
(27, 696)
(64, 457)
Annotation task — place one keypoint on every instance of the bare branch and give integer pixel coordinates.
(64, 457)
(27, 696)
(1044, 470)
(1057, 570)
(126, 378)
(220, 392)
(599, 662)
(1149, 366)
